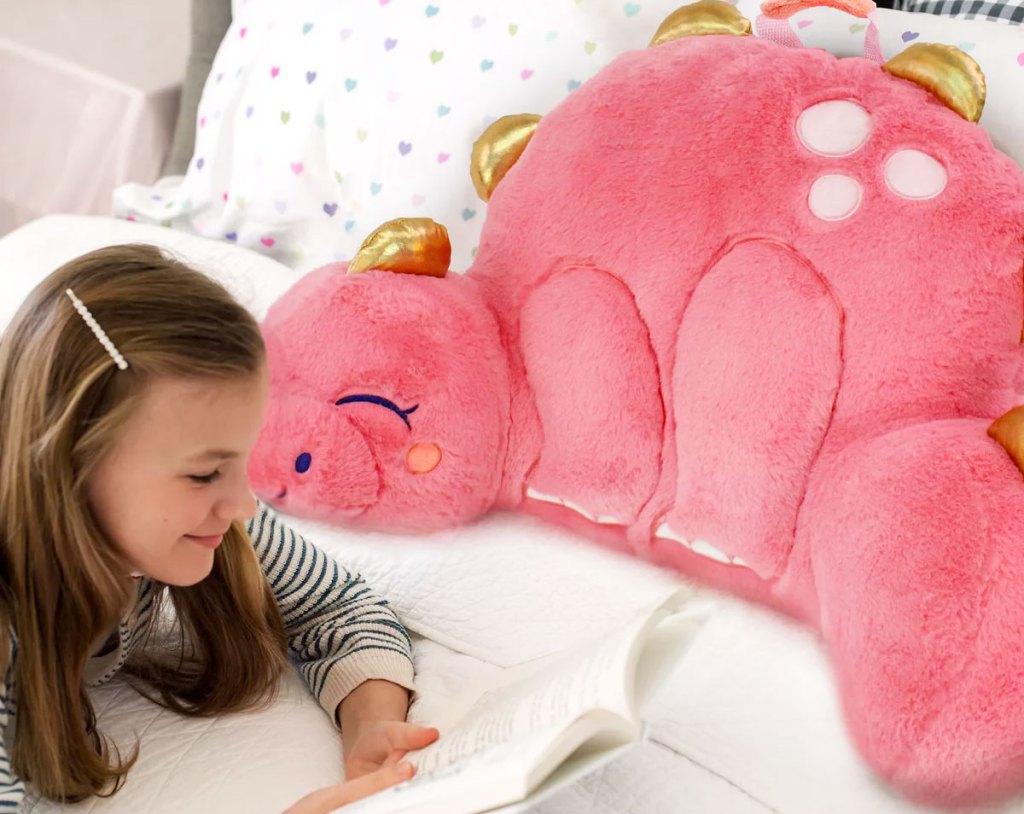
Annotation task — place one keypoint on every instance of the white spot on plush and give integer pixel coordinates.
(604, 520)
(702, 547)
(834, 129)
(915, 175)
(834, 197)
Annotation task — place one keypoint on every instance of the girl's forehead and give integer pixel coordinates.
(182, 418)
(184, 393)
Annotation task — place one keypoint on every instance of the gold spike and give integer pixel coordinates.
(1008, 430)
(405, 246)
(699, 19)
(945, 71)
(498, 149)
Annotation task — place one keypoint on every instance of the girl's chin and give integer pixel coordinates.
(182, 575)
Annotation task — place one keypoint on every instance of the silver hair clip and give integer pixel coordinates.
(94, 326)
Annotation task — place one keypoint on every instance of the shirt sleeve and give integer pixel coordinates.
(12, 790)
(340, 632)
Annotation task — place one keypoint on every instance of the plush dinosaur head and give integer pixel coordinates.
(389, 398)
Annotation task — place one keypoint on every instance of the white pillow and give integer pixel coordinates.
(321, 120)
(29, 254)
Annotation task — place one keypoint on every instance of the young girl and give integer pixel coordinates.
(131, 393)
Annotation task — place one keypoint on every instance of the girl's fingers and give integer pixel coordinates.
(410, 736)
(333, 797)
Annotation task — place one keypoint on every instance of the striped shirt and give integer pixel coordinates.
(340, 633)
(1011, 12)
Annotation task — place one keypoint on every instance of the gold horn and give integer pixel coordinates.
(1008, 430)
(698, 19)
(405, 246)
(947, 72)
(498, 149)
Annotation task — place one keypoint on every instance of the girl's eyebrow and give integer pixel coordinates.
(214, 454)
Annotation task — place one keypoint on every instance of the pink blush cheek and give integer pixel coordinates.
(423, 458)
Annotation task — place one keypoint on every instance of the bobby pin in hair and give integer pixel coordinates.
(101, 335)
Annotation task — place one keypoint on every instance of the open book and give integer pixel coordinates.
(525, 731)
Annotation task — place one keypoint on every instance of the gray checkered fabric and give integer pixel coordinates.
(1011, 13)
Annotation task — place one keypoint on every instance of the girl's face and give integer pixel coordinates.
(176, 476)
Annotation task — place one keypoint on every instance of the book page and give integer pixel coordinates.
(581, 763)
(662, 651)
(506, 732)
(487, 780)
(535, 697)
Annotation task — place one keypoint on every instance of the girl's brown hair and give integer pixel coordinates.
(62, 584)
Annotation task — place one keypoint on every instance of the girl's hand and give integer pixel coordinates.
(381, 744)
(334, 797)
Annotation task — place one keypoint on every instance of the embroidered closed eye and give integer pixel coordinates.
(380, 401)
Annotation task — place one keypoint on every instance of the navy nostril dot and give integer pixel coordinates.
(303, 462)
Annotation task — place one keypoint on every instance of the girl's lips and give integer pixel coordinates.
(206, 542)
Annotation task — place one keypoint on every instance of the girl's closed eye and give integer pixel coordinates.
(204, 479)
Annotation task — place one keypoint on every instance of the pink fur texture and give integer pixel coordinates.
(667, 343)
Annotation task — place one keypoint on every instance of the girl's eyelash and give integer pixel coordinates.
(204, 478)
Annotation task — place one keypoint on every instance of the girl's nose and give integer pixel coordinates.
(249, 503)
(239, 503)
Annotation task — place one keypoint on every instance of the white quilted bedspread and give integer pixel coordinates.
(748, 723)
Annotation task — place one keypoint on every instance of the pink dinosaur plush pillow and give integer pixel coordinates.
(750, 312)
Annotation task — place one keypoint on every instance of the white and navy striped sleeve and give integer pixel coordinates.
(1010, 12)
(340, 633)
(12, 790)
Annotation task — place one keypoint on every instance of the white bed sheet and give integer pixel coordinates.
(749, 722)
(260, 763)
